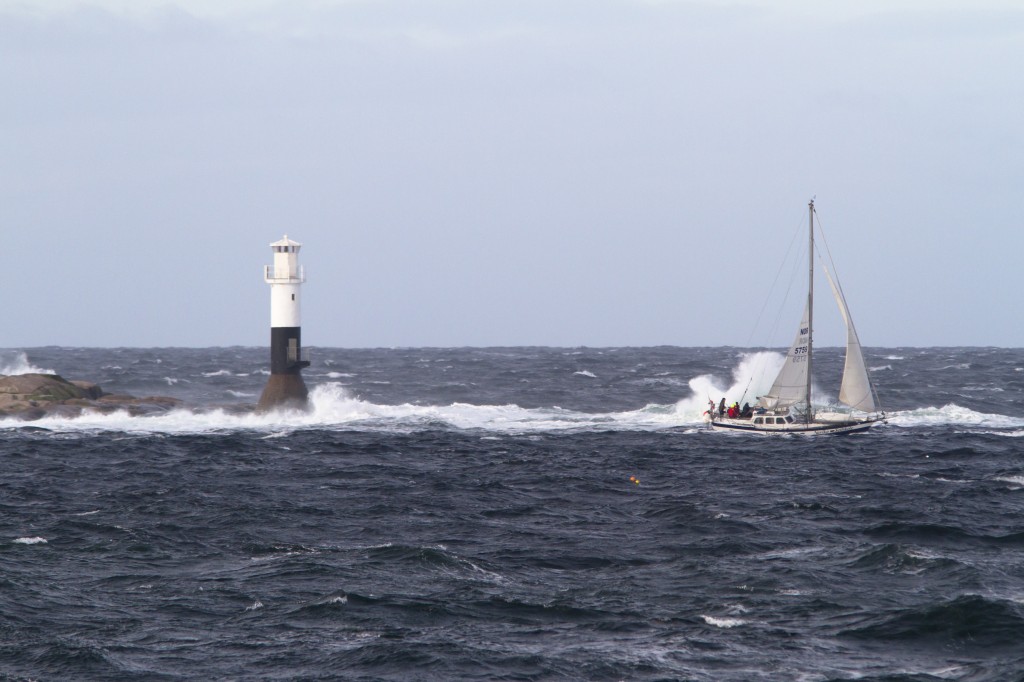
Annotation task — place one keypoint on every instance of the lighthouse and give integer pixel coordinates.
(285, 388)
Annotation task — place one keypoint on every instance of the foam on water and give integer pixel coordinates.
(953, 415)
(335, 406)
(723, 622)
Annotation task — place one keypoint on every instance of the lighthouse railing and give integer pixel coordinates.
(298, 355)
(283, 275)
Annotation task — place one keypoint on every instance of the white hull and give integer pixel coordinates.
(798, 428)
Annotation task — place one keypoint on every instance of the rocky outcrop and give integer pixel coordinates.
(34, 396)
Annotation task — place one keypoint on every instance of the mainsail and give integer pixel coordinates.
(790, 385)
(855, 390)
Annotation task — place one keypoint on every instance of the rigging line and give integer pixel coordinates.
(828, 252)
(771, 290)
(796, 265)
(830, 266)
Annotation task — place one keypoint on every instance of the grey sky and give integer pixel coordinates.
(506, 172)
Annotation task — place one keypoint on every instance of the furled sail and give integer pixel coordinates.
(790, 385)
(855, 390)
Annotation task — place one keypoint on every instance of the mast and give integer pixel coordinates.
(810, 302)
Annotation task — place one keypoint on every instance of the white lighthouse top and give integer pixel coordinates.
(286, 268)
(286, 245)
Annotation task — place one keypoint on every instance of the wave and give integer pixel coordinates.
(953, 415)
(939, 534)
(333, 406)
(30, 541)
(723, 622)
(1017, 482)
(895, 558)
(436, 557)
(753, 376)
(18, 363)
(972, 619)
(219, 373)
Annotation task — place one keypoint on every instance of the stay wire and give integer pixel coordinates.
(771, 290)
(793, 264)
(839, 287)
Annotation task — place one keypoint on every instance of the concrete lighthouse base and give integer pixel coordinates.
(284, 392)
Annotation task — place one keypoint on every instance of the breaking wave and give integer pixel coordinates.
(953, 415)
(335, 406)
(752, 377)
(12, 363)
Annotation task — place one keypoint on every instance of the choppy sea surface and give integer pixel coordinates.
(513, 514)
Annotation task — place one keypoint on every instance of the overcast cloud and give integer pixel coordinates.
(507, 172)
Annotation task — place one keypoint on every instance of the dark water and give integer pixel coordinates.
(469, 514)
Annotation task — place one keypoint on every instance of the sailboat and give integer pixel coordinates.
(787, 408)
